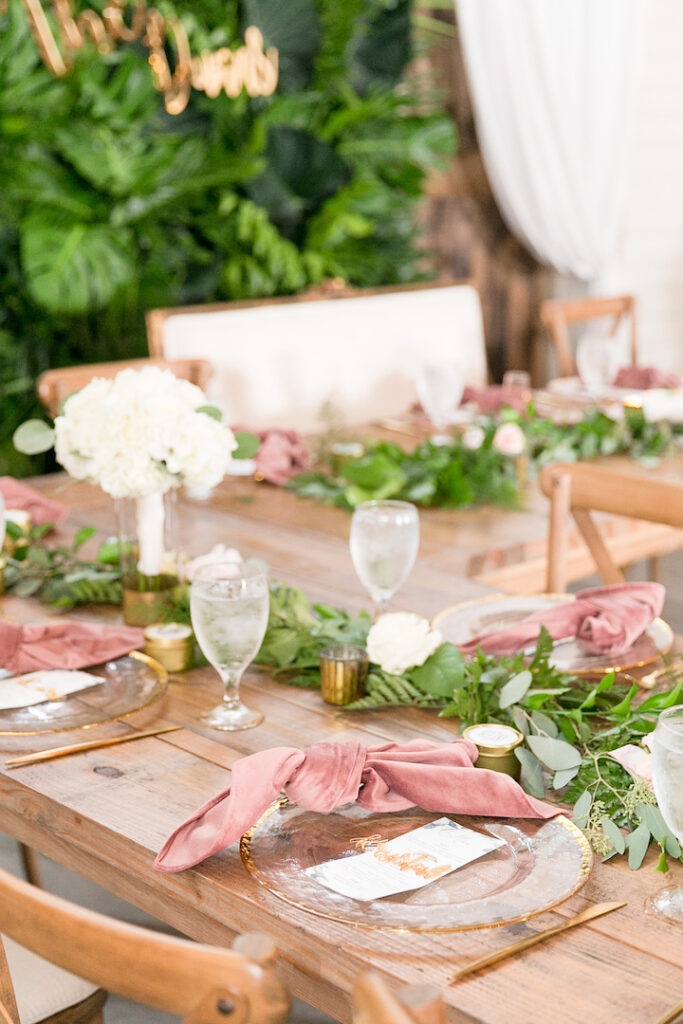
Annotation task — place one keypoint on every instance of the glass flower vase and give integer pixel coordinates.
(149, 556)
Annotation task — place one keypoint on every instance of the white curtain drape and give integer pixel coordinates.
(554, 85)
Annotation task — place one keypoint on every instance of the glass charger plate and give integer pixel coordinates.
(130, 683)
(462, 622)
(540, 865)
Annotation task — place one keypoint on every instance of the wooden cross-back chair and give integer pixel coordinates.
(55, 385)
(203, 984)
(557, 316)
(375, 1003)
(578, 489)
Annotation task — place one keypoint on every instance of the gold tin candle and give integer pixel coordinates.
(496, 745)
(171, 644)
(343, 669)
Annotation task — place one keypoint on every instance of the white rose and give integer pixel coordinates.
(473, 437)
(220, 553)
(509, 439)
(400, 640)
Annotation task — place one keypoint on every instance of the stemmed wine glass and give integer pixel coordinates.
(229, 603)
(667, 776)
(440, 387)
(385, 536)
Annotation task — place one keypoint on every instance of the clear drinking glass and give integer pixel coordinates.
(385, 536)
(598, 358)
(440, 387)
(667, 776)
(229, 603)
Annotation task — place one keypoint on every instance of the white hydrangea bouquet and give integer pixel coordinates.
(139, 436)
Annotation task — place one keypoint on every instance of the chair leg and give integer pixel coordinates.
(558, 534)
(31, 864)
(653, 568)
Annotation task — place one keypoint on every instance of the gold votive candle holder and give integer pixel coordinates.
(171, 644)
(343, 671)
(496, 745)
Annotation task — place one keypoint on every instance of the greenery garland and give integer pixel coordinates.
(570, 724)
(459, 476)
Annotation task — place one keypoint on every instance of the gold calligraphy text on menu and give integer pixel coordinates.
(249, 67)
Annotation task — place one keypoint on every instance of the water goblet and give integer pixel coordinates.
(598, 358)
(385, 536)
(440, 387)
(229, 604)
(667, 776)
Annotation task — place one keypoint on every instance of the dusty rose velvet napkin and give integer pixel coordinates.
(21, 496)
(645, 377)
(496, 397)
(281, 456)
(63, 645)
(435, 776)
(607, 620)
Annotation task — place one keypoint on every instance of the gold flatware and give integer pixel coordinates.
(516, 947)
(397, 427)
(649, 680)
(672, 1015)
(48, 755)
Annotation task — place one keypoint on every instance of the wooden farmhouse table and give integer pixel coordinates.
(105, 813)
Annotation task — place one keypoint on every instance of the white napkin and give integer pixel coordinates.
(663, 404)
(44, 685)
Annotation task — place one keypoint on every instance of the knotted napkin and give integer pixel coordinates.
(21, 496)
(642, 378)
(281, 456)
(434, 776)
(63, 645)
(491, 400)
(606, 620)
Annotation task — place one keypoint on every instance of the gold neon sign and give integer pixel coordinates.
(249, 67)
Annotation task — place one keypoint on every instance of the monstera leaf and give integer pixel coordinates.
(294, 28)
(74, 267)
(302, 172)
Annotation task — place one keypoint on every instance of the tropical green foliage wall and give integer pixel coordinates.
(110, 206)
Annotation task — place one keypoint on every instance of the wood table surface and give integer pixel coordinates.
(105, 813)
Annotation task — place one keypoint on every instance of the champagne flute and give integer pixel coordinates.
(229, 604)
(385, 536)
(440, 387)
(667, 776)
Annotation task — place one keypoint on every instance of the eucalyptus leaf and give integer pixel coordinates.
(564, 776)
(544, 723)
(33, 437)
(555, 754)
(514, 690)
(637, 842)
(247, 445)
(613, 834)
(582, 808)
(532, 773)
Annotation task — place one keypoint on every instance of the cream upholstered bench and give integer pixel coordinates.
(278, 362)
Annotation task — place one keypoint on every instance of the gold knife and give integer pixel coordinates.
(672, 1016)
(516, 947)
(48, 755)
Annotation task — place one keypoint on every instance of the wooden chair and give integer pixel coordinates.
(375, 1003)
(203, 984)
(279, 362)
(580, 489)
(556, 316)
(56, 385)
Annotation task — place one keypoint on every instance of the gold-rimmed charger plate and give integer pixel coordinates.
(540, 865)
(460, 623)
(130, 683)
